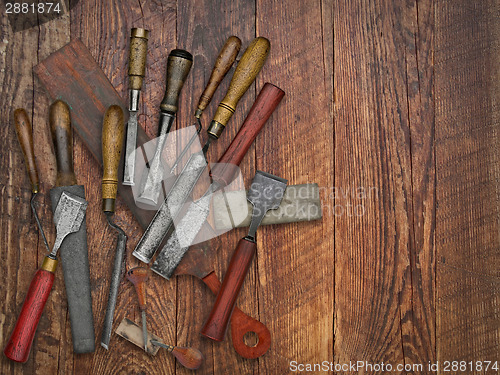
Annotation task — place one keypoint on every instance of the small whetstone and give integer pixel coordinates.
(133, 333)
(300, 203)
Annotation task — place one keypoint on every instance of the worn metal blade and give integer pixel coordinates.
(185, 232)
(68, 217)
(129, 169)
(164, 218)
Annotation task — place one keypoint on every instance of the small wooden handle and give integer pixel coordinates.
(178, 66)
(19, 344)
(190, 358)
(138, 276)
(249, 66)
(113, 131)
(222, 65)
(268, 99)
(241, 324)
(24, 133)
(216, 324)
(137, 57)
(62, 136)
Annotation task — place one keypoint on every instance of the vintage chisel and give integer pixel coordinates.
(74, 254)
(249, 66)
(178, 66)
(68, 217)
(222, 174)
(136, 70)
(223, 63)
(266, 193)
(25, 137)
(112, 142)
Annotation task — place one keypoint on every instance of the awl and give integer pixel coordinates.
(136, 70)
(245, 73)
(112, 142)
(222, 174)
(68, 217)
(178, 66)
(74, 254)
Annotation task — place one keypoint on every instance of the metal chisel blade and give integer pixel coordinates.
(177, 196)
(129, 169)
(185, 233)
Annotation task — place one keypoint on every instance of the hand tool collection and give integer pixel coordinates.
(176, 223)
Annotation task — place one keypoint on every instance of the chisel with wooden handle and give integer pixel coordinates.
(113, 130)
(68, 217)
(136, 70)
(74, 253)
(24, 133)
(222, 175)
(178, 66)
(223, 63)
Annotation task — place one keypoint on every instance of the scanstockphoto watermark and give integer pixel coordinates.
(346, 200)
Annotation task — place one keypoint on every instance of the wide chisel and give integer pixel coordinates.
(112, 142)
(136, 70)
(178, 66)
(249, 66)
(24, 133)
(222, 174)
(68, 217)
(74, 254)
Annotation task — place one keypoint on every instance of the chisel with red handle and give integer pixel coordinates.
(68, 217)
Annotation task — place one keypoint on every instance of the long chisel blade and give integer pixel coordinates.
(129, 169)
(177, 196)
(184, 235)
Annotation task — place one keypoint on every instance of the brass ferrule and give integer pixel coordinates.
(108, 205)
(215, 129)
(49, 264)
(139, 33)
(35, 188)
(198, 113)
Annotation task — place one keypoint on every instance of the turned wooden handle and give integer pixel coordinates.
(222, 65)
(241, 324)
(249, 66)
(178, 66)
(190, 358)
(138, 276)
(19, 345)
(137, 57)
(24, 133)
(113, 131)
(268, 99)
(62, 136)
(216, 324)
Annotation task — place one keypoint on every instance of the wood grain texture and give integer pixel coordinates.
(400, 97)
(467, 175)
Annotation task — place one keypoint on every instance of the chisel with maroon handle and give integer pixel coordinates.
(266, 193)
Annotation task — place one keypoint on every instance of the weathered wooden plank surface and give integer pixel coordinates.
(468, 181)
(295, 262)
(399, 99)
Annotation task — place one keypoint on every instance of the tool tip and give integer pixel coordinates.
(104, 346)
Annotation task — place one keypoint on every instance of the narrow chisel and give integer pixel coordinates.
(136, 71)
(24, 133)
(178, 66)
(112, 142)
